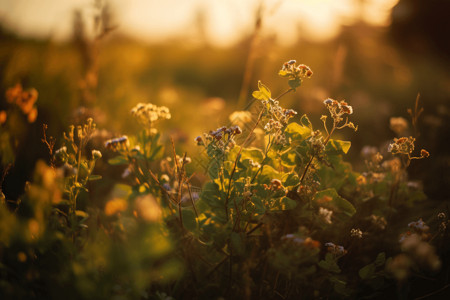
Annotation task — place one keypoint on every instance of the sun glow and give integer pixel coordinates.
(219, 22)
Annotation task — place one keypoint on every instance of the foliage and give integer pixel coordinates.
(289, 218)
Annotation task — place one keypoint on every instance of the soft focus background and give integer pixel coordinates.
(203, 58)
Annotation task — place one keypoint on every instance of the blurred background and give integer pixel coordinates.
(203, 58)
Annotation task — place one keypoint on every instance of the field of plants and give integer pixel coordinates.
(314, 171)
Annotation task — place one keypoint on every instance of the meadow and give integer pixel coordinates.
(171, 171)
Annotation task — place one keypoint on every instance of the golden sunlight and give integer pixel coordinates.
(218, 22)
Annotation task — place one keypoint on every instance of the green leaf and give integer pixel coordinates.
(287, 203)
(335, 147)
(156, 152)
(367, 271)
(380, 260)
(189, 219)
(290, 179)
(210, 194)
(213, 169)
(267, 174)
(305, 121)
(330, 198)
(297, 132)
(263, 93)
(252, 153)
(294, 83)
(118, 160)
(94, 177)
(329, 264)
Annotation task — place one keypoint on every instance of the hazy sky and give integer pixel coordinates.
(226, 20)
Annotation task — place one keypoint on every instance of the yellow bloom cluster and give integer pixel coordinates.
(147, 114)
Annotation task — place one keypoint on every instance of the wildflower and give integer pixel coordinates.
(442, 227)
(126, 173)
(186, 199)
(67, 170)
(368, 152)
(117, 143)
(293, 72)
(165, 178)
(328, 101)
(276, 185)
(293, 238)
(310, 243)
(424, 153)
(419, 226)
(167, 187)
(122, 139)
(378, 221)
(335, 249)
(199, 141)
(422, 252)
(356, 232)
(361, 180)
(399, 266)
(402, 145)
(236, 129)
(398, 125)
(347, 109)
(147, 114)
(254, 164)
(325, 214)
(61, 155)
(25, 100)
(96, 154)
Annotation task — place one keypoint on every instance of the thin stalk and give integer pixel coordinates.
(245, 142)
(284, 93)
(314, 154)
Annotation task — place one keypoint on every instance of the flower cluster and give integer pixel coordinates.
(356, 233)
(275, 185)
(405, 146)
(442, 217)
(292, 71)
(25, 100)
(378, 222)
(147, 114)
(277, 118)
(221, 139)
(421, 252)
(326, 214)
(336, 250)
(419, 226)
(276, 113)
(338, 109)
(398, 125)
(316, 141)
(117, 144)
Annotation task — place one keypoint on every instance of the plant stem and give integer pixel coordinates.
(245, 142)
(314, 154)
(284, 93)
